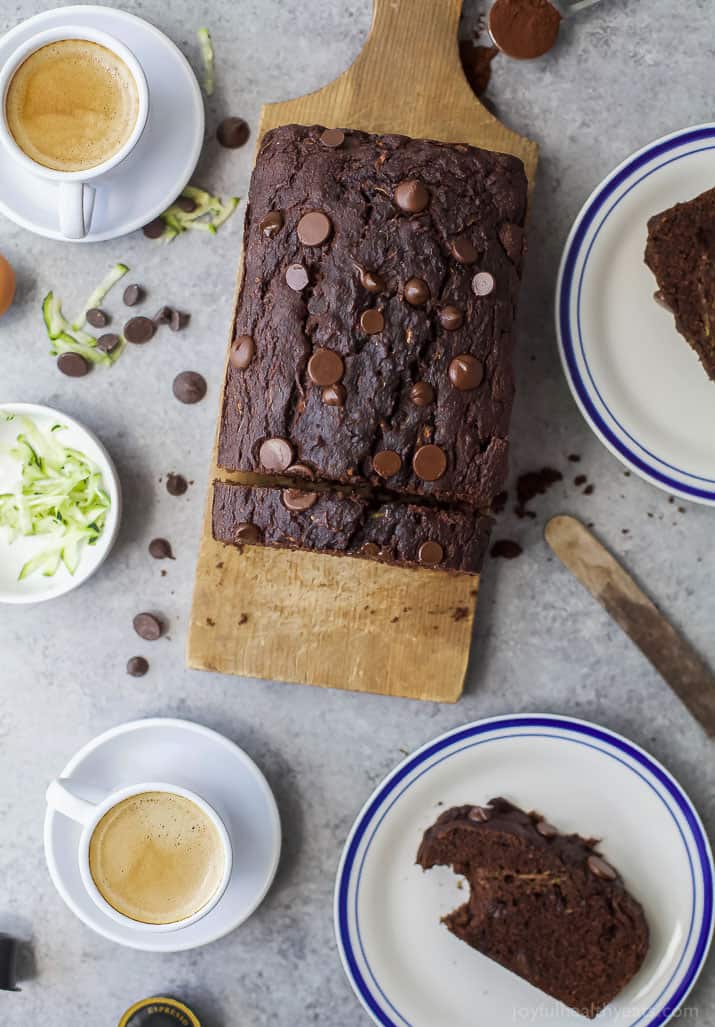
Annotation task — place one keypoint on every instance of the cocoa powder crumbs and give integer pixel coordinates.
(506, 548)
(477, 64)
(531, 484)
(524, 28)
(499, 502)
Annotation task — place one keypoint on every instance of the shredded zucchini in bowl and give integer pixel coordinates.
(60, 495)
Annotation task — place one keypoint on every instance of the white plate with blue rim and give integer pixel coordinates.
(405, 966)
(637, 382)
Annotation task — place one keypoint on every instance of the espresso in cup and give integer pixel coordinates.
(156, 858)
(71, 105)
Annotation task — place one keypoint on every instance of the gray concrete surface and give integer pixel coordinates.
(623, 74)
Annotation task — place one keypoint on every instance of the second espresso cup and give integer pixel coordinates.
(141, 839)
(75, 193)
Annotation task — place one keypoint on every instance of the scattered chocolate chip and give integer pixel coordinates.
(133, 294)
(178, 320)
(154, 229)
(243, 350)
(276, 454)
(189, 387)
(371, 550)
(137, 666)
(506, 548)
(466, 372)
(371, 281)
(271, 224)
(325, 367)
(546, 829)
(232, 133)
(176, 484)
(422, 394)
(163, 316)
(480, 814)
(411, 196)
(160, 549)
(387, 463)
(483, 283)
(335, 395)
(186, 204)
(600, 868)
(451, 318)
(332, 137)
(416, 292)
(139, 330)
(247, 533)
(296, 277)
(297, 500)
(314, 228)
(108, 342)
(73, 365)
(429, 463)
(464, 250)
(147, 626)
(372, 321)
(430, 553)
(97, 318)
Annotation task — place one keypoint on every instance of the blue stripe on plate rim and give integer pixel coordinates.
(580, 729)
(567, 275)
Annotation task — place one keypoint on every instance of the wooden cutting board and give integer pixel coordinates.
(326, 620)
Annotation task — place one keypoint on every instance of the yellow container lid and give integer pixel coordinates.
(159, 1011)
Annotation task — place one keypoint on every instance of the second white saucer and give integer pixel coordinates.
(148, 181)
(194, 757)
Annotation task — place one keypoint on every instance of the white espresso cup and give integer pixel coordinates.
(62, 799)
(75, 195)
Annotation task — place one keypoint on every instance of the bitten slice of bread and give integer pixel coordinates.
(545, 905)
(681, 254)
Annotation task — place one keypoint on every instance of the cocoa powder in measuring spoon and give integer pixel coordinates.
(524, 28)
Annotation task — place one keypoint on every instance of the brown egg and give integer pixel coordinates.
(7, 285)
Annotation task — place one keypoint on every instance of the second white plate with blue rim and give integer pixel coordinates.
(405, 966)
(636, 380)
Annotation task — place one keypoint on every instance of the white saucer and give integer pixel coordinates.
(154, 174)
(37, 588)
(405, 966)
(638, 383)
(195, 757)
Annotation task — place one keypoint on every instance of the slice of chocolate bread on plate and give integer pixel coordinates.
(681, 254)
(545, 905)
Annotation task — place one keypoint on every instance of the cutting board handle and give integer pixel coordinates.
(412, 48)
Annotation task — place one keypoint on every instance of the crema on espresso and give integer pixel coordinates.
(156, 857)
(72, 105)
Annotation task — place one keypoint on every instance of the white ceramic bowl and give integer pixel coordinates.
(36, 588)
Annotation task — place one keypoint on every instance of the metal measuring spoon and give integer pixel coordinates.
(525, 29)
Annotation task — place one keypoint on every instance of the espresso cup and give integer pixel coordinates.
(75, 194)
(134, 841)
